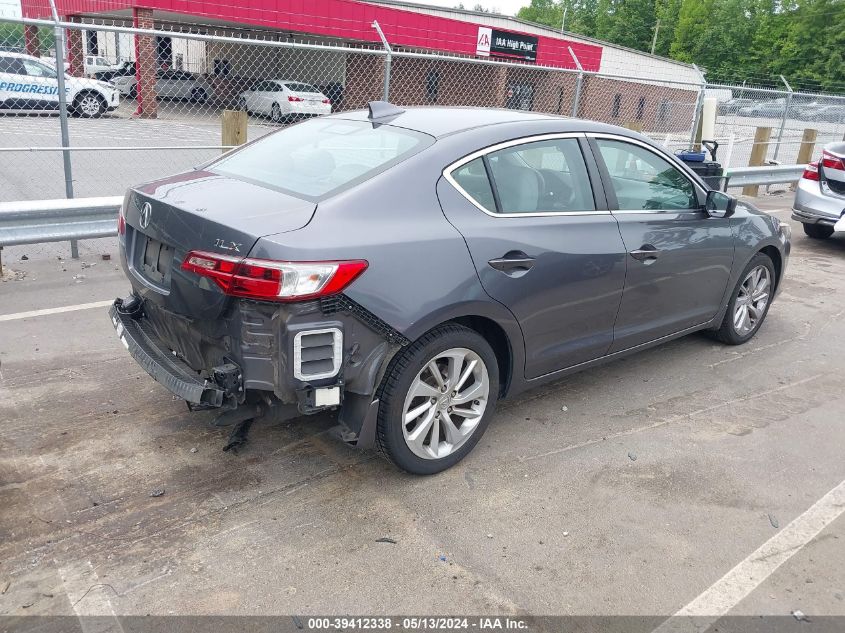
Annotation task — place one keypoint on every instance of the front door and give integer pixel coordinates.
(542, 245)
(679, 259)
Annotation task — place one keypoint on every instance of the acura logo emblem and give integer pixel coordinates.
(146, 213)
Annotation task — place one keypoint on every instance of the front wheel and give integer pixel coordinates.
(276, 113)
(818, 231)
(437, 399)
(749, 302)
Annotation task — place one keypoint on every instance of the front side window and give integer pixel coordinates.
(643, 181)
(321, 156)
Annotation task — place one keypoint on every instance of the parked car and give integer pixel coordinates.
(822, 112)
(766, 109)
(412, 267)
(27, 83)
(170, 84)
(820, 196)
(284, 100)
(731, 106)
(126, 69)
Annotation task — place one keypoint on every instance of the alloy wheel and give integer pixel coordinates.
(89, 105)
(276, 113)
(751, 302)
(445, 403)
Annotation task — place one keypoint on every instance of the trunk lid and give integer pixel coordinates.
(199, 211)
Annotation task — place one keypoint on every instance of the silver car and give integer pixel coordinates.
(820, 198)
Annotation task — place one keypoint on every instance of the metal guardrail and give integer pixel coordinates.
(38, 221)
(764, 175)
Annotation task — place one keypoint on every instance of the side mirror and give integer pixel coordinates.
(719, 204)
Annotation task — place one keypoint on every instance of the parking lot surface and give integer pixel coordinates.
(632, 488)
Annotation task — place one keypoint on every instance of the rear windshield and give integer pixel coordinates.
(295, 87)
(322, 156)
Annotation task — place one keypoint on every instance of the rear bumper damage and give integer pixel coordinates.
(300, 358)
(225, 388)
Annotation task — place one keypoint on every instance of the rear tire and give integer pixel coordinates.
(198, 95)
(818, 231)
(453, 407)
(749, 302)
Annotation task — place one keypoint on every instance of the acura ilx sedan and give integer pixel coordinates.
(410, 268)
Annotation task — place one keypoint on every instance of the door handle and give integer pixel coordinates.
(513, 262)
(646, 253)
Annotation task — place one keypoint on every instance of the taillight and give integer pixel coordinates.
(829, 161)
(270, 280)
(121, 222)
(293, 98)
(327, 101)
(811, 171)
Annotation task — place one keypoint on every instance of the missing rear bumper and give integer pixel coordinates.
(224, 390)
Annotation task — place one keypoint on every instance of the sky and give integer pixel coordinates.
(507, 7)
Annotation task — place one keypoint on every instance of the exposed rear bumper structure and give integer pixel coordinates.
(170, 371)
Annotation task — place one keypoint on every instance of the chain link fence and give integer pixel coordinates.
(147, 102)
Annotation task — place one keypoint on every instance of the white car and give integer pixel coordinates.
(27, 83)
(170, 84)
(285, 100)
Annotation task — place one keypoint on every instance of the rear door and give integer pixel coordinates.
(679, 258)
(543, 244)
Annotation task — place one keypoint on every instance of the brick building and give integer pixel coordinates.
(620, 86)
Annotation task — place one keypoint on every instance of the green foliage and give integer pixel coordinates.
(804, 40)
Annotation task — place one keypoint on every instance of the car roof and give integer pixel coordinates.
(441, 121)
(19, 55)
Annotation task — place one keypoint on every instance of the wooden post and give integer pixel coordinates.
(637, 126)
(758, 156)
(234, 128)
(805, 152)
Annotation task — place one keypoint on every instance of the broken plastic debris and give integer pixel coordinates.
(442, 557)
(774, 521)
(799, 615)
(158, 492)
(632, 456)
(385, 539)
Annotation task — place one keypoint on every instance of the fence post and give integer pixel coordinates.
(60, 78)
(388, 61)
(576, 98)
(699, 103)
(234, 128)
(805, 151)
(786, 104)
(758, 156)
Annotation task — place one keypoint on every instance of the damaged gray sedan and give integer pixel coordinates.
(409, 268)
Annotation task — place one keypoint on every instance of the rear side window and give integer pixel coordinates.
(472, 178)
(320, 157)
(540, 177)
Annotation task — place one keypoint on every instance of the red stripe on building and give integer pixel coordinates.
(345, 19)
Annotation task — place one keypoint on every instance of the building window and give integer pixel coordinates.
(640, 108)
(617, 104)
(432, 85)
(222, 67)
(92, 42)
